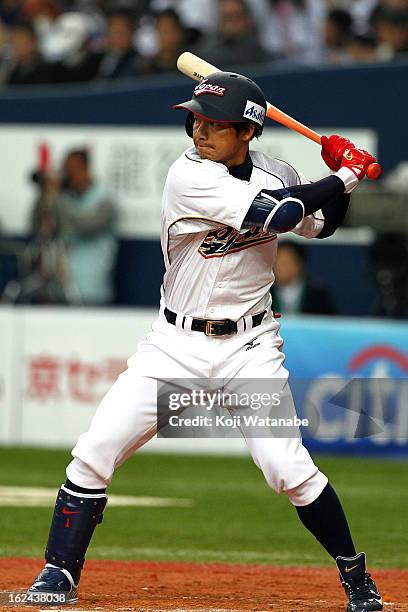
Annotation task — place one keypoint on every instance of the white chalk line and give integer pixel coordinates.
(41, 497)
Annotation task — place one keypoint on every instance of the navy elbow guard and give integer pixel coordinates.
(272, 215)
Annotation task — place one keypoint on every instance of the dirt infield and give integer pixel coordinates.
(128, 586)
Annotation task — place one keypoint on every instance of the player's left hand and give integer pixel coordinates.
(333, 148)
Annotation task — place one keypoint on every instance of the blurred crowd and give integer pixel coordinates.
(63, 41)
(70, 255)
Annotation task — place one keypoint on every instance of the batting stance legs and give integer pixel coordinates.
(126, 419)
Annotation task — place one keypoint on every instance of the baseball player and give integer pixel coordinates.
(224, 207)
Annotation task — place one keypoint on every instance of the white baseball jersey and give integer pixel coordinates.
(214, 269)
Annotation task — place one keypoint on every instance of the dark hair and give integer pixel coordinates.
(366, 40)
(244, 6)
(239, 126)
(300, 4)
(171, 14)
(342, 19)
(298, 249)
(243, 125)
(83, 155)
(124, 14)
(395, 16)
(25, 26)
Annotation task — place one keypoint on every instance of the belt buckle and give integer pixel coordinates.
(210, 328)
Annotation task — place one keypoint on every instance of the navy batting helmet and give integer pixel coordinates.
(229, 97)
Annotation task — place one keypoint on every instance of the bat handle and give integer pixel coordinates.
(373, 171)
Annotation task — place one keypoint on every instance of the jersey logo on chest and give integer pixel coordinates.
(228, 240)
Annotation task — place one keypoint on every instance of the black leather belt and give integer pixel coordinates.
(209, 327)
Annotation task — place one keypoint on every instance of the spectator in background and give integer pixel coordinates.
(360, 11)
(293, 291)
(171, 40)
(42, 9)
(4, 52)
(390, 22)
(42, 14)
(75, 212)
(388, 257)
(70, 43)
(235, 42)
(337, 35)
(200, 15)
(290, 29)
(96, 10)
(87, 218)
(27, 65)
(10, 11)
(363, 48)
(119, 57)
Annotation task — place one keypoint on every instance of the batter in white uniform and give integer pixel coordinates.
(223, 209)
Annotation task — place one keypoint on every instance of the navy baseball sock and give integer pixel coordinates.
(76, 514)
(326, 520)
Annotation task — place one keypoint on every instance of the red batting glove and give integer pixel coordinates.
(357, 160)
(333, 149)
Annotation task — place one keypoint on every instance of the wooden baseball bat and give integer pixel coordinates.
(196, 68)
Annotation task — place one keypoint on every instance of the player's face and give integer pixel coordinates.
(220, 142)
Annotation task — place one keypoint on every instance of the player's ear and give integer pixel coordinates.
(248, 132)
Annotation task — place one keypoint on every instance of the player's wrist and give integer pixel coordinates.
(349, 179)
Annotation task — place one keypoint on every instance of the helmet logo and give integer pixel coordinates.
(208, 88)
(254, 112)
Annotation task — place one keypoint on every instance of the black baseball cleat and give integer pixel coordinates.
(360, 588)
(58, 581)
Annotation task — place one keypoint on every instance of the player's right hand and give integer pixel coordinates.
(333, 148)
(357, 160)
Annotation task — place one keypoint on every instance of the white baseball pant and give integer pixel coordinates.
(127, 416)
